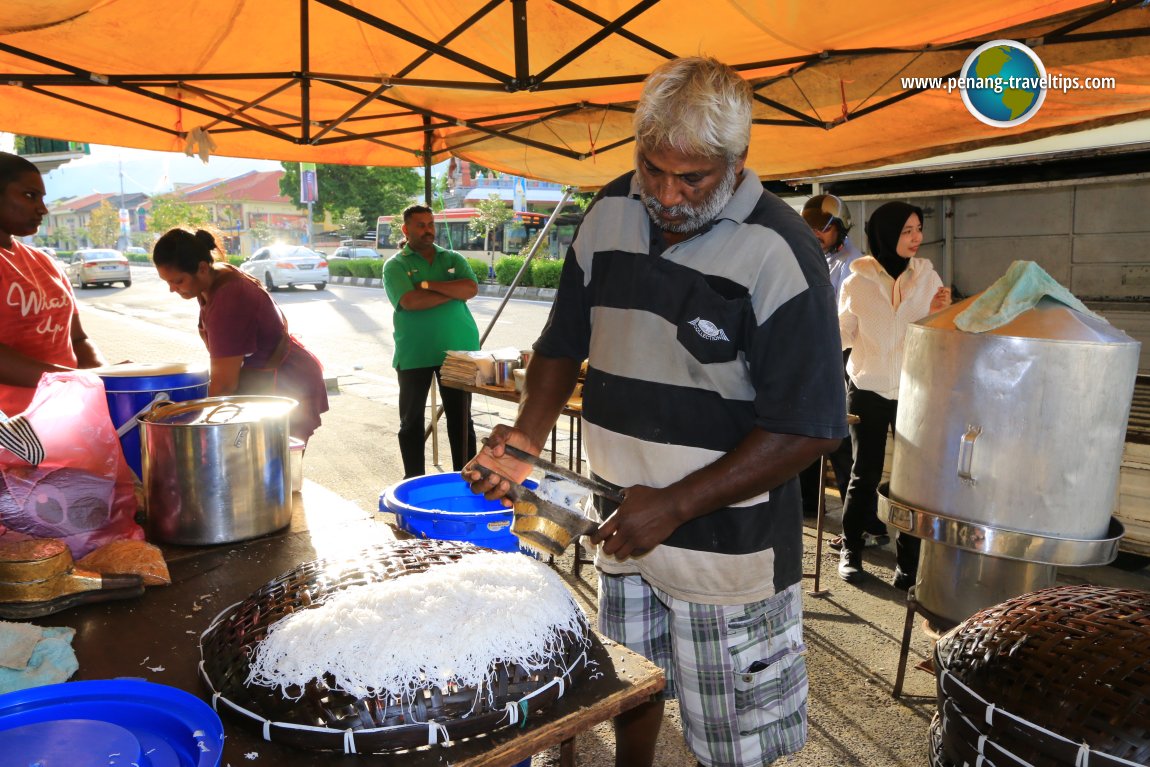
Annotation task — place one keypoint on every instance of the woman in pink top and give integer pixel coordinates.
(41, 331)
(884, 294)
(246, 334)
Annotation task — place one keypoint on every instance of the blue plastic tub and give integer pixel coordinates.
(104, 722)
(133, 387)
(442, 506)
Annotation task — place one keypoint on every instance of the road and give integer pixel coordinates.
(355, 453)
(348, 327)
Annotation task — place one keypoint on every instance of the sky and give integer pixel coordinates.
(143, 171)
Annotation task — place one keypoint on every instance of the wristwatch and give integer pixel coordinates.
(423, 284)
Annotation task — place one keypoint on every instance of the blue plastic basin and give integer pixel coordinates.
(442, 506)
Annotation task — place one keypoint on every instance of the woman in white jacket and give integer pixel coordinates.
(884, 294)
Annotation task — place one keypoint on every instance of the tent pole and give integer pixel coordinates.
(567, 190)
(427, 161)
(305, 74)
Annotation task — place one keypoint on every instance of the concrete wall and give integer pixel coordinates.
(1094, 238)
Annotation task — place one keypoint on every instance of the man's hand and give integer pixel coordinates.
(494, 484)
(646, 518)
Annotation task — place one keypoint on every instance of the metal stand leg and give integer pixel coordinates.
(933, 626)
(434, 424)
(819, 517)
(466, 421)
(904, 650)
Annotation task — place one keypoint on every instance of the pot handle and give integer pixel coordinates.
(966, 453)
(227, 406)
(156, 406)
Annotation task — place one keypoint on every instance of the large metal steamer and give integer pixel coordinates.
(1008, 446)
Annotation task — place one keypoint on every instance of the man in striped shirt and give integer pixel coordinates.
(703, 306)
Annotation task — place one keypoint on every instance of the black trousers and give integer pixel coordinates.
(413, 387)
(860, 512)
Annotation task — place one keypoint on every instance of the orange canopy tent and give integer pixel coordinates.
(543, 88)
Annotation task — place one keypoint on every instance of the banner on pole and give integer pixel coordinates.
(308, 183)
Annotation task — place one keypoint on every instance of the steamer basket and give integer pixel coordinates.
(1030, 680)
(327, 718)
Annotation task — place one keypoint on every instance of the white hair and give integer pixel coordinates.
(696, 105)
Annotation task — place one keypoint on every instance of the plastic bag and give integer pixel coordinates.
(81, 490)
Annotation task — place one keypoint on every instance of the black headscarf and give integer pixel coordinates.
(883, 230)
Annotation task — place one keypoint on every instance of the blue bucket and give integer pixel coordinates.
(133, 387)
(442, 506)
(89, 722)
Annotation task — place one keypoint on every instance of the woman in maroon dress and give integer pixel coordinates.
(250, 347)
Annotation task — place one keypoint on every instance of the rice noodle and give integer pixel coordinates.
(447, 626)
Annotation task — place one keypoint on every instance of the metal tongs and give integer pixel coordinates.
(543, 524)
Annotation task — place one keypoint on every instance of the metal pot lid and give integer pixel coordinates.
(217, 411)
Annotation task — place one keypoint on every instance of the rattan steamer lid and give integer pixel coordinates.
(1059, 676)
(325, 717)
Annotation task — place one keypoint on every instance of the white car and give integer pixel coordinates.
(287, 266)
(98, 266)
(343, 253)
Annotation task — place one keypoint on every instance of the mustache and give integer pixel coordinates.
(692, 216)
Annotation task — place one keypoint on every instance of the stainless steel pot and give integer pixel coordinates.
(1007, 450)
(1021, 427)
(217, 470)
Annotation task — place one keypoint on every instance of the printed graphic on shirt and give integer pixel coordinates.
(708, 330)
(47, 311)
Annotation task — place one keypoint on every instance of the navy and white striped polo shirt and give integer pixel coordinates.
(689, 347)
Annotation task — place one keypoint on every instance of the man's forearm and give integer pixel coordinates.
(461, 289)
(760, 463)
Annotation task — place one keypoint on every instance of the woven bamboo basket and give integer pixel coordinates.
(1059, 676)
(323, 717)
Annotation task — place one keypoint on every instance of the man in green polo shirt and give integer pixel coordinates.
(429, 287)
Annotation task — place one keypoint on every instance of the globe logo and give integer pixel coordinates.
(1003, 83)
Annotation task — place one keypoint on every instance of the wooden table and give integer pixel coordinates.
(156, 637)
(573, 410)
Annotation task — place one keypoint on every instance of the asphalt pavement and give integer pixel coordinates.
(853, 632)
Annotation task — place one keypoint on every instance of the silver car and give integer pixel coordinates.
(287, 266)
(98, 266)
(344, 252)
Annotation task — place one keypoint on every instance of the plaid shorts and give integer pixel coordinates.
(738, 671)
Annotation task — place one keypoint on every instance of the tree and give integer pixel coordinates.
(375, 191)
(167, 213)
(260, 231)
(104, 225)
(492, 213)
(397, 229)
(350, 221)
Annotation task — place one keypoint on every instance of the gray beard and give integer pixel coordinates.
(695, 216)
